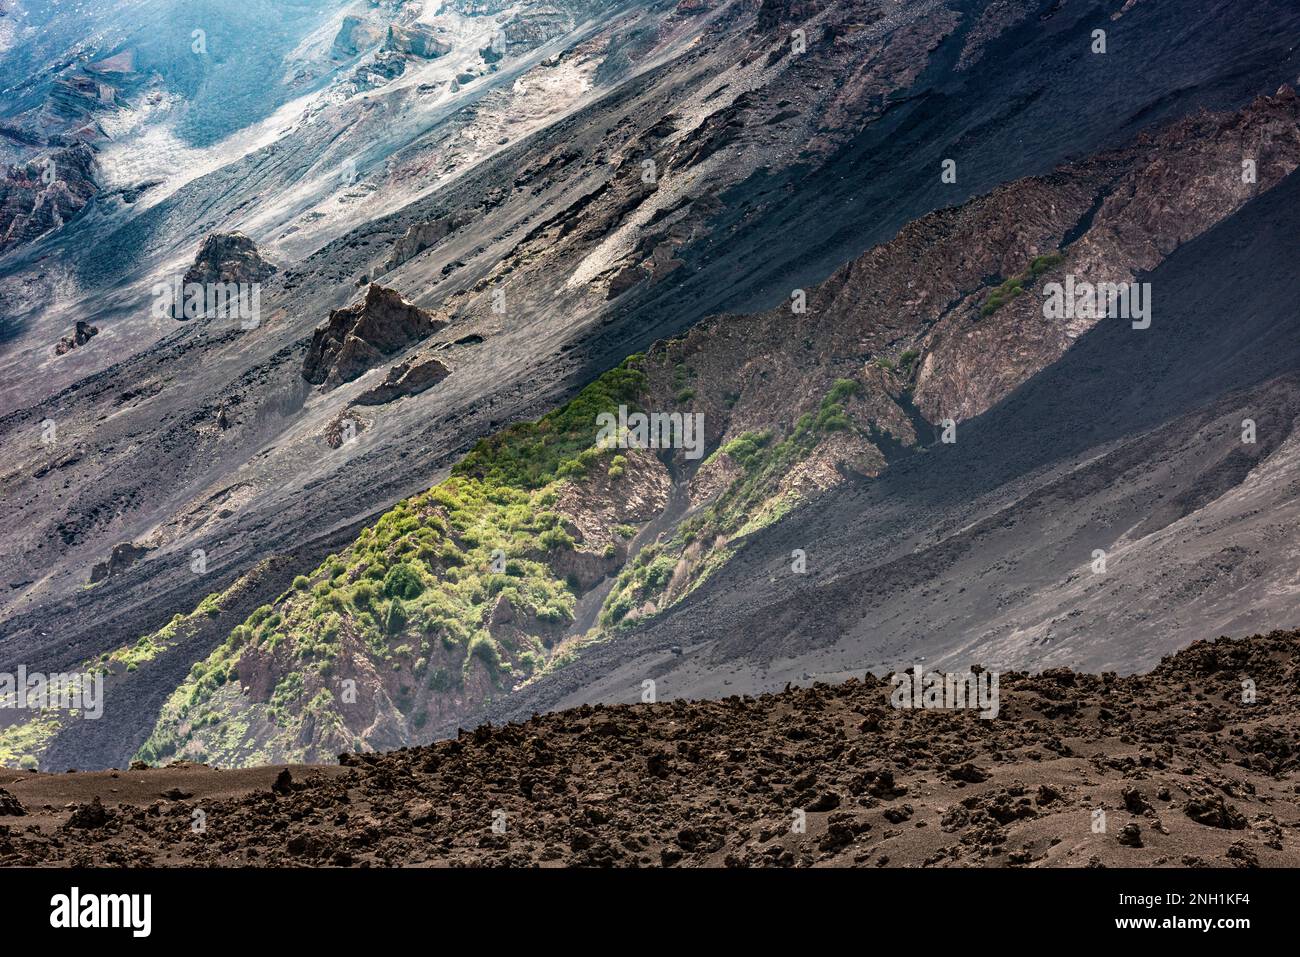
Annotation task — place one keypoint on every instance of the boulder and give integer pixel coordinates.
(355, 35)
(90, 816)
(228, 257)
(417, 40)
(10, 806)
(82, 334)
(410, 377)
(360, 336)
(124, 556)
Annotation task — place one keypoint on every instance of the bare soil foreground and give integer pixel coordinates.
(1187, 770)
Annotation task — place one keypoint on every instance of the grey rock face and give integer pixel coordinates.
(358, 337)
(229, 257)
(417, 40)
(405, 379)
(40, 196)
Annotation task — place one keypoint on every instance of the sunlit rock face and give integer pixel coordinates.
(359, 337)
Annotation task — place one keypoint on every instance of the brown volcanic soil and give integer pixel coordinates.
(1205, 780)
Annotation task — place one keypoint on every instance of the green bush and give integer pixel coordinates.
(403, 581)
(362, 595)
(1013, 287)
(745, 448)
(1041, 264)
(396, 619)
(841, 390)
(531, 454)
(555, 538)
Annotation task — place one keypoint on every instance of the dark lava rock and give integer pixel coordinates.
(82, 334)
(826, 801)
(407, 378)
(968, 773)
(228, 257)
(223, 259)
(1130, 835)
(1134, 802)
(90, 816)
(1213, 811)
(124, 556)
(1047, 794)
(360, 336)
(10, 806)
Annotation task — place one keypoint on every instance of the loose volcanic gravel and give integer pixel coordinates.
(1175, 767)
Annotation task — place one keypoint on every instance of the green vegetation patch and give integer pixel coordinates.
(748, 503)
(22, 744)
(531, 455)
(425, 576)
(1013, 287)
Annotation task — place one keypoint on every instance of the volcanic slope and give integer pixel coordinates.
(878, 104)
(983, 550)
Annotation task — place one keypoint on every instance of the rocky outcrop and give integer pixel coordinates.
(228, 257)
(534, 27)
(40, 196)
(359, 337)
(354, 36)
(407, 378)
(479, 8)
(78, 96)
(385, 66)
(82, 334)
(10, 806)
(417, 39)
(773, 13)
(124, 556)
(343, 428)
(422, 236)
